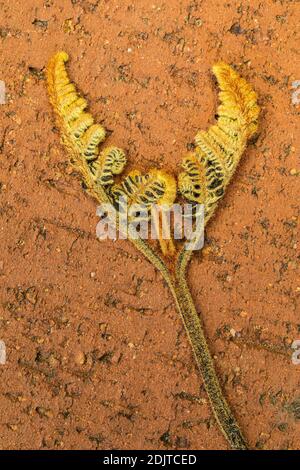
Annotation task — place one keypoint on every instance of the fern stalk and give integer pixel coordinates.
(196, 335)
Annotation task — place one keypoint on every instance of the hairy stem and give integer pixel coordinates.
(194, 329)
(220, 407)
(192, 323)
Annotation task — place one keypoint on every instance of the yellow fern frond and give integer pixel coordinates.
(237, 119)
(190, 181)
(79, 132)
(156, 188)
(209, 169)
(111, 162)
(203, 181)
(169, 184)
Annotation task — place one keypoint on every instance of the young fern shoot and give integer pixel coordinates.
(206, 173)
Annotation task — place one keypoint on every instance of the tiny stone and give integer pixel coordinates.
(236, 29)
(116, 358)
(103, 327)
(31, 295)
(13, 427)
(44, 412)
(243, 314)
(79, 358)
(53, 362)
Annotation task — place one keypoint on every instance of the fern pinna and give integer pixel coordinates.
(206, 173)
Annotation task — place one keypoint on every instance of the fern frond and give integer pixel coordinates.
(155, 187)
(209, 169)
(203, 181)
(79, 133)
(111, 162)
(237, 119)
(190, 181)
(169, 184)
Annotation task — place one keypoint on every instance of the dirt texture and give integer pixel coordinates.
(97, 357)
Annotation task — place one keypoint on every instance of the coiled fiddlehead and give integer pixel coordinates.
(107, 165)
(206, 173)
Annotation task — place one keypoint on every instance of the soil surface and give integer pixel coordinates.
(97, 356)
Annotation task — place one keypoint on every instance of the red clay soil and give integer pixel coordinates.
(97, 357)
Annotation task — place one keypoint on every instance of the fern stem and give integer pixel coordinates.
(194, 329)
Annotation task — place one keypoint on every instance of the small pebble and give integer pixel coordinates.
(13, 427)
(79, 358)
